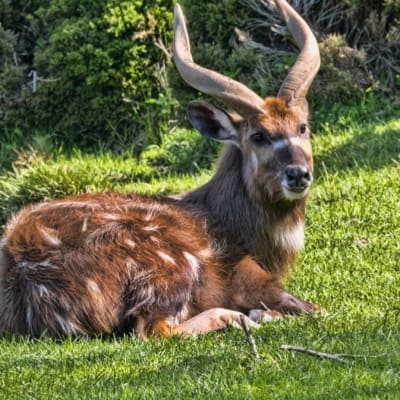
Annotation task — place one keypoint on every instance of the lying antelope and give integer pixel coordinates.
(103, 263)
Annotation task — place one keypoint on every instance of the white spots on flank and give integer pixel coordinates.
(151, 228)
(205, 253)
(109, 216)
(254, 161)
(130, 243)
(131, 265)
(149, 216)
(166, 257)
(290, 237)
(93, 286)
(155, 240)
(67, 327)
(193, 262)
(84, 225)
(50, 237)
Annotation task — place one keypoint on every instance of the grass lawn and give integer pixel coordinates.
(351, 266)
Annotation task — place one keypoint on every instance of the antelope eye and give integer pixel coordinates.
(303, 129)
(259, 138)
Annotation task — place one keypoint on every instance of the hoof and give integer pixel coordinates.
(261, 316)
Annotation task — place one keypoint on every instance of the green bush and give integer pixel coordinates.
(99, 71)
(344, 73)
(11, 78)
(392, 7)
(181, 151)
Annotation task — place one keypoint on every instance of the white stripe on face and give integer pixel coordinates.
(254, 161)
(280, 144)
(296, 141)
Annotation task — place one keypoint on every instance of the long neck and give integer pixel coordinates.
(270, 232)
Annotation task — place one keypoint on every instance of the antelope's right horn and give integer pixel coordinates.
(234, 94)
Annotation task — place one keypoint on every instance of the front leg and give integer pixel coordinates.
(253, 288)
(210, 320)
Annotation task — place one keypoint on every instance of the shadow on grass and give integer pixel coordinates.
(366, 150)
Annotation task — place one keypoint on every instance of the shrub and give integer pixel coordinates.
(98, 68)
(344, 73)
(181, 151)
(11, 77)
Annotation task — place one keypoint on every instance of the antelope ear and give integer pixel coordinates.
(212, 121)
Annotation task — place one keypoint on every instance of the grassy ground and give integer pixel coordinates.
(351, 266)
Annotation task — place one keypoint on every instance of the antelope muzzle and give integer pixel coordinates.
(296, 181)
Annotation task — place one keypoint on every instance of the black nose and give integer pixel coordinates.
(298, 177)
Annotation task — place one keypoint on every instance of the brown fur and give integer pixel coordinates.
(249, 209)
(103, 263)
(97, 263)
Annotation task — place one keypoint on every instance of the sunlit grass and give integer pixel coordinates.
(351, 266)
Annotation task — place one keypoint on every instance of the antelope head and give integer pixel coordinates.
(272, 133)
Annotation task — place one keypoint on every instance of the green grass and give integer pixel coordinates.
(351, 266)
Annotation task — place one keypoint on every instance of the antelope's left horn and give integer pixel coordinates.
(301, 75)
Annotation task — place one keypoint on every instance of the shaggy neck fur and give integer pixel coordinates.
(270, 232)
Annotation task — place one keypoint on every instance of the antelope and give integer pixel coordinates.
(111, 263)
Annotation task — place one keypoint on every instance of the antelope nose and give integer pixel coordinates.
(298, 177)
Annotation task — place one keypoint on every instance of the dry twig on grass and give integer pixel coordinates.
(250, 338)
(340, 357)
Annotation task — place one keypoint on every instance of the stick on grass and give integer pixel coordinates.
(340, 357)
(250, 338)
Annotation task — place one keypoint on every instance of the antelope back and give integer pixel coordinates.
(98, 263)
